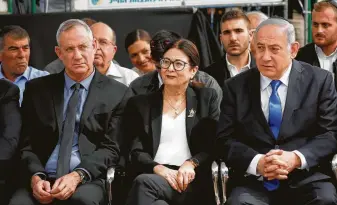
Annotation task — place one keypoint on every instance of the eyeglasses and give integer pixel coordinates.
(178, 65)
(104, 43)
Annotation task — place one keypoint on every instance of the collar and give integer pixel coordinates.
(25, 74)
(229, 65)
(85, 83)
(265, 81)
(114, 71)
(160, 80)
(321, 54)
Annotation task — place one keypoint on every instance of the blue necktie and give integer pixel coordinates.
(274, 121)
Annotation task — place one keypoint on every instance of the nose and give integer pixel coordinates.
(266, 55)
(233, 36)
(141, 58)
(171, 68)
(320, 29)
(77, 54)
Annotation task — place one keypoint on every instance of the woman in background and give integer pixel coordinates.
(137, 44)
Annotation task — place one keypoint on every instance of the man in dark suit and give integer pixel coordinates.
(277, 129)
(70, 126)
(235, 37)
(10, 123)
(323, 51)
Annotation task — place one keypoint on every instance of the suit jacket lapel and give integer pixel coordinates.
(191, 109)
(94, 91)
(297, 84)
(255, 96)
(156, 118)
(58, 99)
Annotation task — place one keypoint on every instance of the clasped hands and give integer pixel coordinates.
(62, 189)
(277, 164)
(178, 179)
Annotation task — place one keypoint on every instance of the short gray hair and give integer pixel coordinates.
(68, 24)
(290, 29)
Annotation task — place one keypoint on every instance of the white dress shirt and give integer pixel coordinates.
(266, 91)
(326, 61)
(121, 74)
(173, 147)
(233, 71)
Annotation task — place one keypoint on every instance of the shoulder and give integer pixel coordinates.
(214, 67)
(8, 89)
(35, 73)
(309, 70)
(305, 50)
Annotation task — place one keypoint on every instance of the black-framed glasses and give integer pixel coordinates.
(178, 65)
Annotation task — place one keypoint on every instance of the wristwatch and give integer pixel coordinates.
(194, 161)
(82, 176)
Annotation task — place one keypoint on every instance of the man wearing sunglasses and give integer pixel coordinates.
(323, 51)
(235, 37)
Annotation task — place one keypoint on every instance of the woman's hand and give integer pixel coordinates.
(169, 174)
(186, 175)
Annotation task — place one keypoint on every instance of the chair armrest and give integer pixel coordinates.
(110, 177)
(224, 178)
(215, 177)
(334, 165)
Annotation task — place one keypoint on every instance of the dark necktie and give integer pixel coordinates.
(274, 121)
(63, 163)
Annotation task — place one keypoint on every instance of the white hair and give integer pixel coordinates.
(68, 24)
(290, 29)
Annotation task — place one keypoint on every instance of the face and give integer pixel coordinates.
(324, 27)
(15, 55)
(76, 51)
(140, 56)
(106, 49)
(235, 36)
(177, 78)
(273, 55)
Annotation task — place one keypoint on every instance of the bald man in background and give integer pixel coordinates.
(106, 50)
(255, 18)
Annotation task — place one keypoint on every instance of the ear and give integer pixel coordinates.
(294, 49)
(94, 44)
(58, 52)
(194, 70)
(251, 35)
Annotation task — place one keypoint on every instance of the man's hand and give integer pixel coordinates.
(41, 190)
(169, 174)
(65, 186)
(291, 160)
(186, 175)
(275, 169)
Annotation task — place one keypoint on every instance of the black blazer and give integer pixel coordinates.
(10, 125)
(144, 112)
(219, 71)
(42, 112)
(308, 54)
(309, 122)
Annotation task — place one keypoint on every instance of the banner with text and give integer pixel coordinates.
(114, 4)
(227, 2)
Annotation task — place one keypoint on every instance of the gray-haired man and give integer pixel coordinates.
(70, 126)
(278, 123)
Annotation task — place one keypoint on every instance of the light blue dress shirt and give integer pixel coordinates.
(29, 74)
(75, 158)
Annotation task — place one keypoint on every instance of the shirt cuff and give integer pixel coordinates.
(87, 173)
(42, 175)
(304, 164)
(252, 169)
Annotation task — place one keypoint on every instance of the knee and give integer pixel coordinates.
(141, 180)
(80, 200)
(241, 199)
(326, 199)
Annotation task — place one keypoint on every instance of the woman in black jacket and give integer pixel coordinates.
(172, 132)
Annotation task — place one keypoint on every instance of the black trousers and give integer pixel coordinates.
(91, 193)
(253, 193)
(152, 189)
